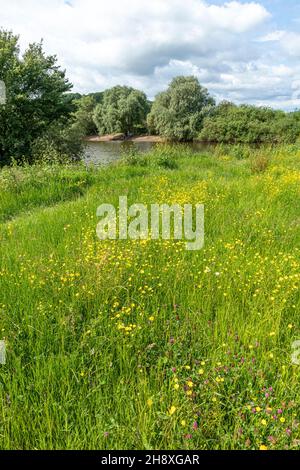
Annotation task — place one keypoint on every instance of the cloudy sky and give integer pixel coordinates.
(243, 51)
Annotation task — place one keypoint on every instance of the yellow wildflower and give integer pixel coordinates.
(263, 447)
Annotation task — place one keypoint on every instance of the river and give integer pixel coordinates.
(102, 153)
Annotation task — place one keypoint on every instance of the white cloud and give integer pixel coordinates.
(144, 43)
(288, 40)
(291, 44)
(273, 36)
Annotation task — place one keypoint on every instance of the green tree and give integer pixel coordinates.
(97, 96)
(37, 96)
(83, 123)
(123, 110)
(178, 113)
(247, 124)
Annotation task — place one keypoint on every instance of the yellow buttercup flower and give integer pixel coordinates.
(263, 447)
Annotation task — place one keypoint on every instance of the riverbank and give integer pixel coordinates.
(122, 138)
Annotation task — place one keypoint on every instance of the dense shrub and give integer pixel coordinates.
(58, 144)
(229, 123)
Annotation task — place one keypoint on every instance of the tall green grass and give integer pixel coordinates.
(143, 345)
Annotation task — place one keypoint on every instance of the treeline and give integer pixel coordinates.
(42, 119)
(186, 111)
(228, 123)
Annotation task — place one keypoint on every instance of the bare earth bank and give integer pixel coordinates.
(122, 137)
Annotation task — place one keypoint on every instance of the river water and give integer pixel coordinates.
(102, 153)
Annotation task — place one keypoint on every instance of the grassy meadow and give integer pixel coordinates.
(142, 344)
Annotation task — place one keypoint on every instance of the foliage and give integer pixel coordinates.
(260, 162)
(97, 96)
(177, 113)
(229, 123)
(165, 156)
(123, 110)
(58, 144)
(65, 143)
(72, 100)
(36, 96)
(82, 119)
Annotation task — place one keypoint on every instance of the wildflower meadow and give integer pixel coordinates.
(142, 344)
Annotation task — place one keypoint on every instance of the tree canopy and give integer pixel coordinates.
(229, 123)
(82, 119)
(36, 96)
(178, 112)
(123, 110)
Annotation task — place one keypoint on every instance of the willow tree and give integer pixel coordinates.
(178, 112)
(123, 110)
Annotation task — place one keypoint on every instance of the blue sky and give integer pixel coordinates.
(284, 12)
(243, 51)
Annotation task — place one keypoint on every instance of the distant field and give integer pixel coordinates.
(144, 345)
